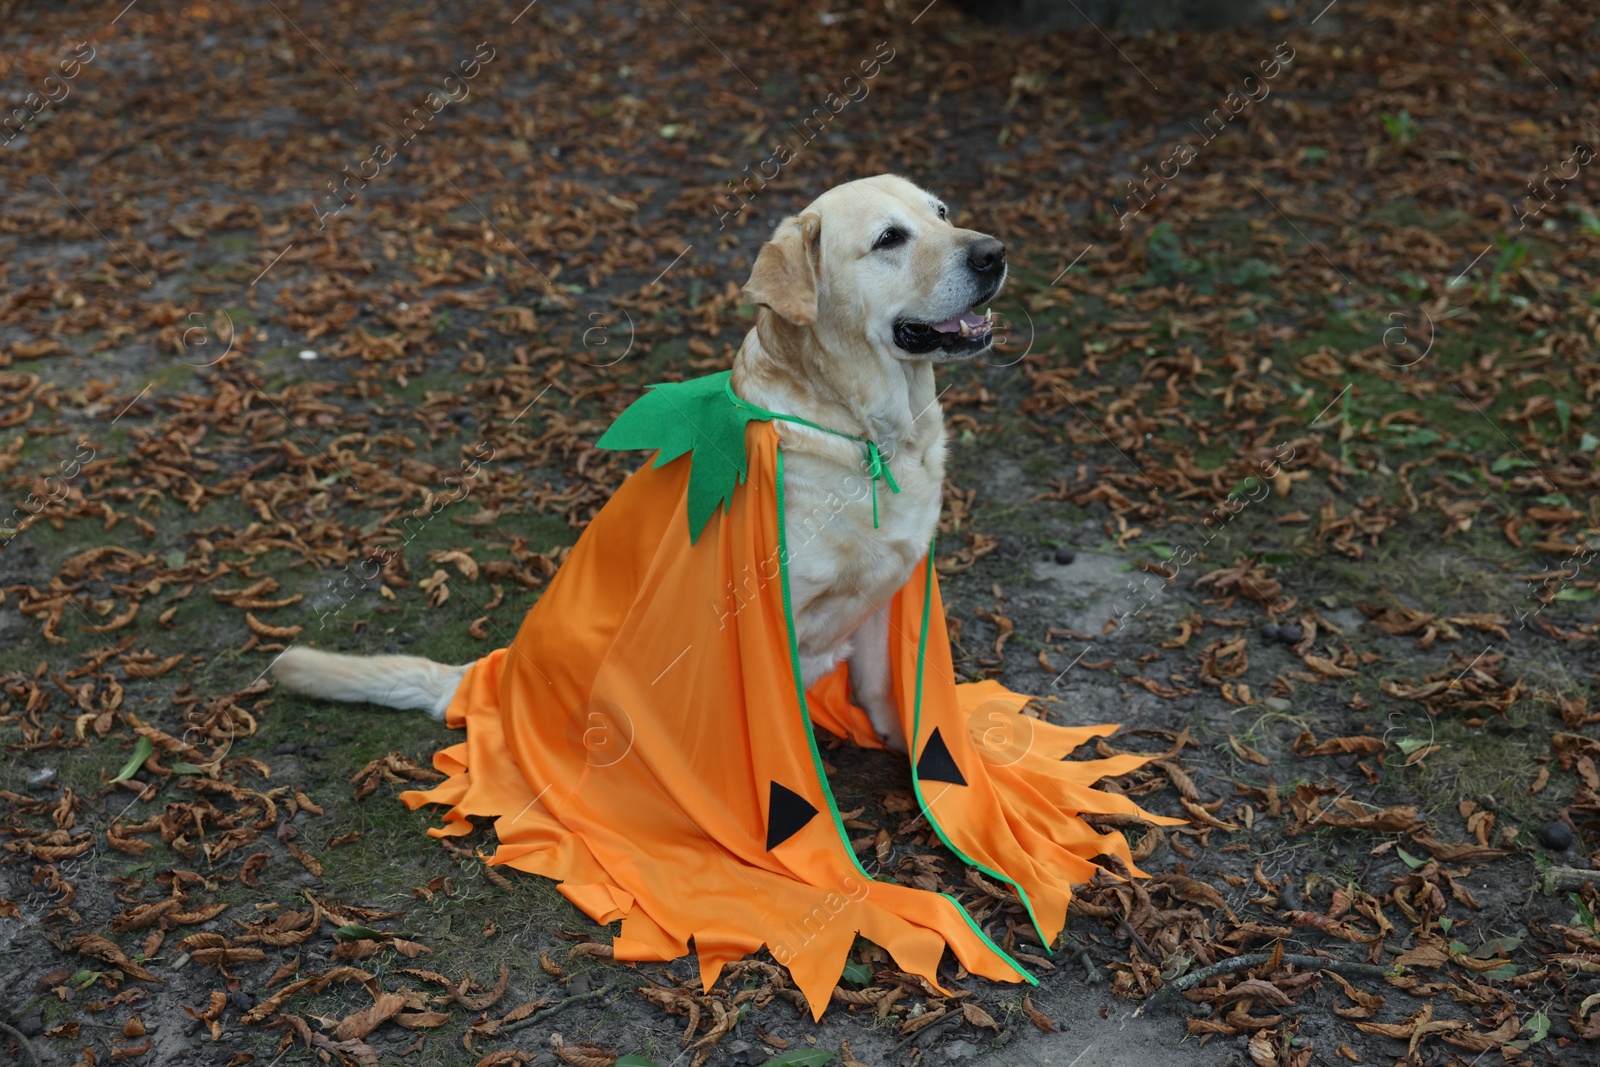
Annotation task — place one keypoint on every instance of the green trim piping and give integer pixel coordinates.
(916, 735)
(877, 466)
(816, 755)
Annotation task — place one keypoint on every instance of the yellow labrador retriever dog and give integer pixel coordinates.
(859, 296)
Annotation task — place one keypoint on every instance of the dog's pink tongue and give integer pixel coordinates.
(973, 321)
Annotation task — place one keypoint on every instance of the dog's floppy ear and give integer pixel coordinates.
(785, 275)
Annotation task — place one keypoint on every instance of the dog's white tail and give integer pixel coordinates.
(392, 681)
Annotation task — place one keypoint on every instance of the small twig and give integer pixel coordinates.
(540, 1016)
(29, 1057)
(1318, 963)
(939, 1026)
(1144, 946)
(1091, 974)
(1562, 879)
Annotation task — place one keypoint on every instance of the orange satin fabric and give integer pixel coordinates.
(644, 727)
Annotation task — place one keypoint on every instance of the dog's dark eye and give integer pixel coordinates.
(943, 214)
(889, 238)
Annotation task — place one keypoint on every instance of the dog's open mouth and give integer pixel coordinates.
(966, 334)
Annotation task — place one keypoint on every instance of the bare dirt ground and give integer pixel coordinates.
(1288, 465)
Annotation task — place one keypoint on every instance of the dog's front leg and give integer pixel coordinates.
(870, 680)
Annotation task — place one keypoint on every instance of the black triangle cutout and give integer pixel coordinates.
(787, 813)
(936, 764)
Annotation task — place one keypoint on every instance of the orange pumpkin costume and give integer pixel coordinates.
(645, 743)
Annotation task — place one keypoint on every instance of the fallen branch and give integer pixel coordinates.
(24, 1049)
(1236, 963)
(1563, 879)
(540, 1016)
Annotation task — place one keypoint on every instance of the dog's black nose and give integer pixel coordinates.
(986, 256)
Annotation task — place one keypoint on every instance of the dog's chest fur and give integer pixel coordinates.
(841, 568)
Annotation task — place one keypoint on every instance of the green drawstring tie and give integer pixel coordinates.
(877, 466)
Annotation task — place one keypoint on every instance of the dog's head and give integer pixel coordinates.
(877, 262)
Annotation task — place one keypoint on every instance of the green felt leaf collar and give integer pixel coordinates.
(699, 417)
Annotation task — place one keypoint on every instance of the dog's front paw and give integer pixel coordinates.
(885, 720)
(894, 739)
